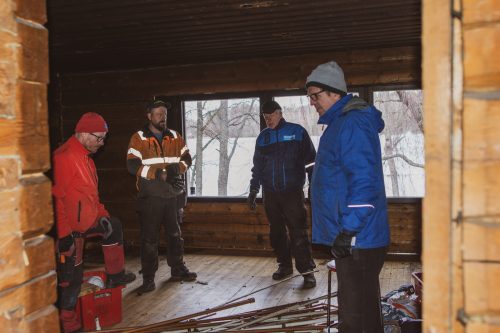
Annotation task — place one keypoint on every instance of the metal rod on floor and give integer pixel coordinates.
(178, 319)
(272, 285)
(329, 299)
(240, 324)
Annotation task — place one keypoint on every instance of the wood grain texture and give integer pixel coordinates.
(12, 264)
(29, 297)
(36, 211)
(8, 136)
(33, 124)
(34, 55)
(481, 288)
(228, 277)
(480, 11)
(481, 70)
(379, 66)
(231, 225)
(436, 81)
(9, 213)
(33, 10)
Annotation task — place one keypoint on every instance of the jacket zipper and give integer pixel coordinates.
(79, 210)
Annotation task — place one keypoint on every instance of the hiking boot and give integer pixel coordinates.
(309, 281)
(120, 279)
(182, 273)
(282, 272)
(148, 285)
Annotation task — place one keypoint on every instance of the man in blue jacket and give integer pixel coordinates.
(283, 152)
(348, 196)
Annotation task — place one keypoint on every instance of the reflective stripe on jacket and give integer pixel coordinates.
(146, 156)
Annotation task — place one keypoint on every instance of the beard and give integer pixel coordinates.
(159, 126)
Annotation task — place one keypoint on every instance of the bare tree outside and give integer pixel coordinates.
(402, 141)
(214, 129)
(221, 136)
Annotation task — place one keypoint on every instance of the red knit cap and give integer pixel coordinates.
(91, 122)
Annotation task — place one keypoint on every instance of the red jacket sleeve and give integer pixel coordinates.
(63, 173)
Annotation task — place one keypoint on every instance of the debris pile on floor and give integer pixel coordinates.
(304, 316)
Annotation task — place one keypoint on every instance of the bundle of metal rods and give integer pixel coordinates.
(305, 316)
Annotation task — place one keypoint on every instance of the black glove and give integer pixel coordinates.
(252, 197)
(177, 183)
(65, 244)
(105, 223)
(173, 172)
(341, 246)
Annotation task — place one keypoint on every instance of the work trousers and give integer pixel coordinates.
(359, 291)
(153, 213)
(70, 268)
(288, 228)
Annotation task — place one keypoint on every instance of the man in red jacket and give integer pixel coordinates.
(80, 214)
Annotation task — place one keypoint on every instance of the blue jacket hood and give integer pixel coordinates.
(351, 103)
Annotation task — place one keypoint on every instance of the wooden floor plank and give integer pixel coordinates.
(229, 277)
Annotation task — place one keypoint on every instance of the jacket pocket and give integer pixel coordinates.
(81, 210)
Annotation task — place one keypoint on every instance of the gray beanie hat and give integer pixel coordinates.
(328, 76)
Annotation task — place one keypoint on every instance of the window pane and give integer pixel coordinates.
(402, 142)
(220, 135)
(296, 109)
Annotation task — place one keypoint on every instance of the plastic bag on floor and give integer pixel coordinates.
(392, 328)
(401, 303)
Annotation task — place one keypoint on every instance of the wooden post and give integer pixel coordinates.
(461, 249)
(27, 277)
(436, 255)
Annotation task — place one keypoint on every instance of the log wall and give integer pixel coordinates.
(461, 79)
(480, 32)
(120, 96)
(27, 277)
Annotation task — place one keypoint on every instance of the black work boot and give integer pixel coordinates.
(148, 285)
(282, 272)
(182, 273)
(309, 281)
(120, 279)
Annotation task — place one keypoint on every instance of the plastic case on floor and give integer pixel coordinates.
(102, 307)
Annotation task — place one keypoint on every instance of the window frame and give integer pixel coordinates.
(365, 92)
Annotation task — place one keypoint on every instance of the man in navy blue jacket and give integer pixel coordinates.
(348, 196)
(283, 152)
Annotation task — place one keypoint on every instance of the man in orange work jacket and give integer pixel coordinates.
(80, 214)
(158, 156)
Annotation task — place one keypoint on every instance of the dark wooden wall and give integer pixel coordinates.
(120, 96)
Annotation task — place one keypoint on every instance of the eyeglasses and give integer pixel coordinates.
(99, 138)
(314, 96)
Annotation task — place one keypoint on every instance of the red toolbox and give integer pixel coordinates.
(103, 306)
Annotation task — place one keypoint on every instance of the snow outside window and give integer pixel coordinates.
(402, 142)
(221, 138)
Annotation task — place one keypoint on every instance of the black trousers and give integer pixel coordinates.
(359, 291)
(288, 228)
(70, 268)
(154, 212)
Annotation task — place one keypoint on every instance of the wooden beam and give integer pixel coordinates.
(379, 66)
(436, 75)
